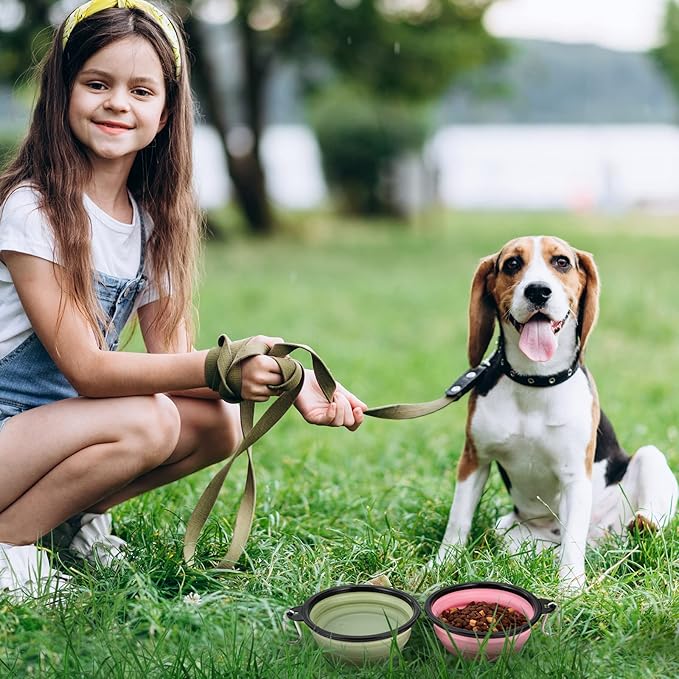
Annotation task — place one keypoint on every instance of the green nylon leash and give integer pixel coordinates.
(223, 373)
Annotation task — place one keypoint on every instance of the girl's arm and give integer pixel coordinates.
(98, 373)
(93, 372)
(179, 342)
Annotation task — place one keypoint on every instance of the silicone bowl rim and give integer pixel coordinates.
(540, 607)
(301, 613)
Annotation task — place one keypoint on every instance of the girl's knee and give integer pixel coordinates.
(166, 415)
(217, 428)
(154, 430)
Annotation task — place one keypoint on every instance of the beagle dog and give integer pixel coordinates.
(535, 412)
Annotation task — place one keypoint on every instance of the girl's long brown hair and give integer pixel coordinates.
(55, 163)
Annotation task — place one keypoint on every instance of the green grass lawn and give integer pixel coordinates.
(386, 306)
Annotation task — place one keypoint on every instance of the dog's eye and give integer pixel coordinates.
(561, 263)
(512, 265)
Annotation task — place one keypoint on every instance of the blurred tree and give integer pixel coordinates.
(400, 49)
(362, 139)
(667, 54)
(387, 59)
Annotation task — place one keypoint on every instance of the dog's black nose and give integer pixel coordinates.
(538, 293)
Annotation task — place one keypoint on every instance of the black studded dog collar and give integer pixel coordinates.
(535, 380)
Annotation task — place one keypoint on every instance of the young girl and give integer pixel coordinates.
(99, 222)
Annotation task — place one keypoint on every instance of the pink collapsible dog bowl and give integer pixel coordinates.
(470, 644)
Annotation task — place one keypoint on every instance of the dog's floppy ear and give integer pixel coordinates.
(481, 310)
(589, 296)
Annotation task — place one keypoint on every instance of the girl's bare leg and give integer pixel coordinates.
(210, 431)
(61, 458)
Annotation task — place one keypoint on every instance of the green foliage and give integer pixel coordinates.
(408, 53)
(8, 144)
(360, 139)
(668, 53)
(22, 48)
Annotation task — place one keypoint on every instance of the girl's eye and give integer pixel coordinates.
(561, 263)
(141, 92)
(96, 85)
(512, 265)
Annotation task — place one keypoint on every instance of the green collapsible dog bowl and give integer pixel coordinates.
(358, 623)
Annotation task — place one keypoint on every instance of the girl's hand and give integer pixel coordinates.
(258, 372)
(345, 410)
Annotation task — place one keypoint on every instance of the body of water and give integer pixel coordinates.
(569, 167)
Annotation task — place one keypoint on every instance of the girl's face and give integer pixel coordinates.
(117, 103)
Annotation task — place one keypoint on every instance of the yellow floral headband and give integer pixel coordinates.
(93, 6)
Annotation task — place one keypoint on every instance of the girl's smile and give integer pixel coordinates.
(111, 127)
(117, 103)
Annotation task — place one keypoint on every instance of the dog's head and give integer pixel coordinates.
(536, 284)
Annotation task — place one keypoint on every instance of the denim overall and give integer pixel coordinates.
(28, 375)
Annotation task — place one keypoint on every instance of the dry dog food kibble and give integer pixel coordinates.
(482, 617)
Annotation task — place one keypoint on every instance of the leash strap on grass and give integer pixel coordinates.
(223, 374)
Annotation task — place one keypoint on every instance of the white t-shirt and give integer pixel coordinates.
(23, 228)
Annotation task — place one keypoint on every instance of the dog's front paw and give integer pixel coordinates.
(445, 554)
(571, 580)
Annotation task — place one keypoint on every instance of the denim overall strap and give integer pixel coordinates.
(117, 295)
(28, 375)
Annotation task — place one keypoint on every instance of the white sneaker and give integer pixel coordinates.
(95, 542)
(26, 572)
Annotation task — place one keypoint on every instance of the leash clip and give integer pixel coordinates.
(467, 380)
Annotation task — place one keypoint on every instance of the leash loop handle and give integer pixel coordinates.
(223, 373)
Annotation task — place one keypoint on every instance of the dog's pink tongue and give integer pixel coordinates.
(537, 340)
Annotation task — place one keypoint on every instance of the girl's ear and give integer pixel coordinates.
(482, 310)
(163, 120)
(589, 296)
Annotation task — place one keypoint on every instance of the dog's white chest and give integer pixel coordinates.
(538, 435)
(532, 414)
